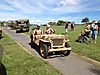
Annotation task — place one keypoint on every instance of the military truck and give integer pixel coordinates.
(22, 25)
(52, 43)
(12, 24)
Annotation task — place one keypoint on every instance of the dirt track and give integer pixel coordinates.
(69, 65)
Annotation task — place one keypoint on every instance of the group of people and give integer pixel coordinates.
(72, 25)
(39, 31)
(90, 30)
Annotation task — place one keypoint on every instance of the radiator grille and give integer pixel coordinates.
(57, 42)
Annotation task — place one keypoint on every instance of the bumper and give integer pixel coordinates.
(59, 49)
(24, 29)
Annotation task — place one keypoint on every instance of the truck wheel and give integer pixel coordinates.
(27, 30)
(17, 31)
(66, 53)
(44, 50)
(0, 35)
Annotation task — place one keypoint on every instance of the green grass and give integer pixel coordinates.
(19, 62)
(89, 50)
(58, 29)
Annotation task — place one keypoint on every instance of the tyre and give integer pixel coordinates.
(27, 30)
(67, 44)
(3, 70)
(43, 50)
(66, 53)
(17, 31)
(31, 37)
(0, 35)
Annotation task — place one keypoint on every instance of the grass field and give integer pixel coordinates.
(89, 50)
(19, 62)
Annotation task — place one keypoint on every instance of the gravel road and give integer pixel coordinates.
(68, 65)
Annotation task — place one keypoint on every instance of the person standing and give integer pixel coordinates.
(73, 26)
(66, 27)
(98, 28)
(94, 29)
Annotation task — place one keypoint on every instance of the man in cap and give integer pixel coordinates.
(49, 30)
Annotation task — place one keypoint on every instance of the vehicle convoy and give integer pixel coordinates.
(52, 43)
(22, 25)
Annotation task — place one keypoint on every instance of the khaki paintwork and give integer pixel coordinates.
(49, 40)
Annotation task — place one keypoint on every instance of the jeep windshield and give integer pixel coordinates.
(22, 24)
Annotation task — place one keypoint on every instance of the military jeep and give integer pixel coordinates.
(52, 43)
(22, 25)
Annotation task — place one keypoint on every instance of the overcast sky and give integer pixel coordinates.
(43, 11)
